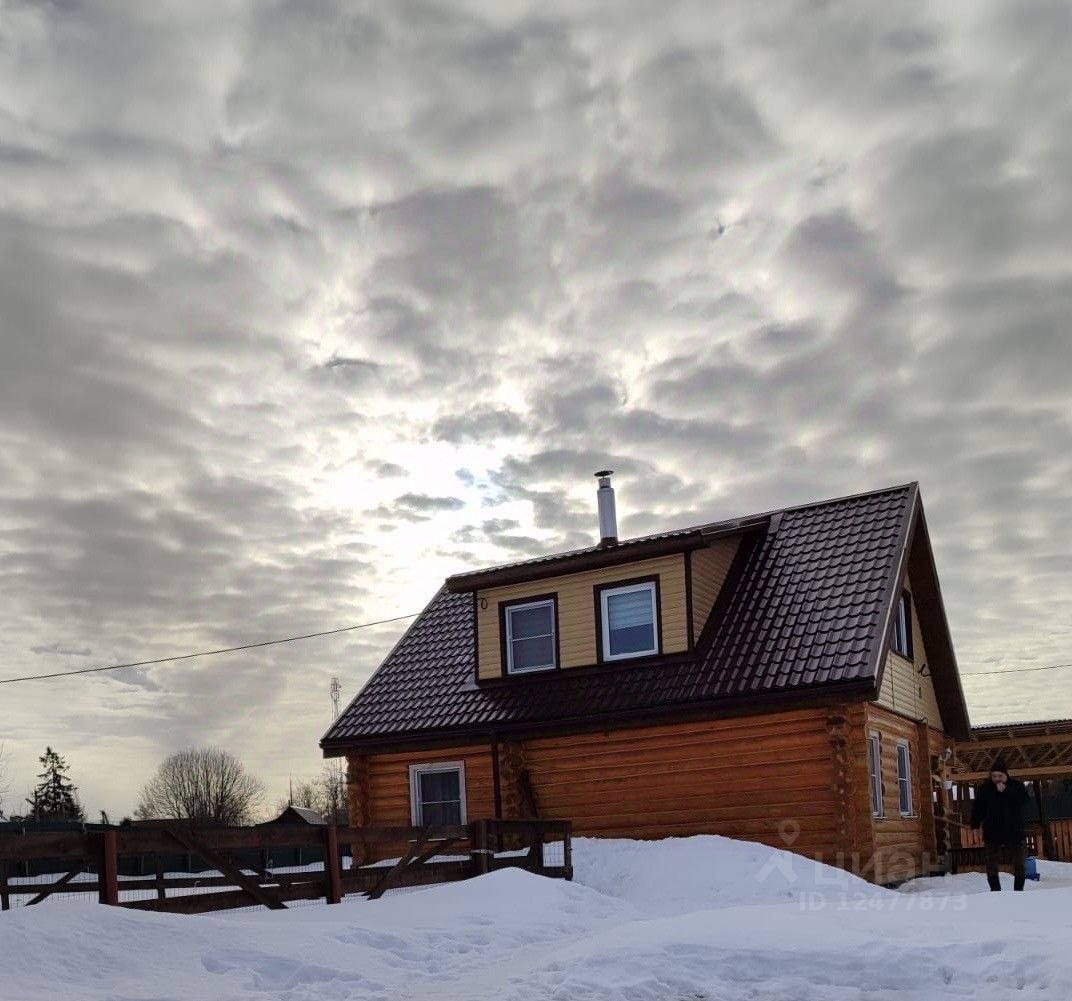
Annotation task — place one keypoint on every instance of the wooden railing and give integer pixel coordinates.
(1061, 831)
(1062, 839)
(88, 862)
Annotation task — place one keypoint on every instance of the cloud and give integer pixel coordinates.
(278, 281)
(414, 507)
(386, 470)
(476, 424)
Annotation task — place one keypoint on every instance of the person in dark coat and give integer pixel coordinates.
(999, 810)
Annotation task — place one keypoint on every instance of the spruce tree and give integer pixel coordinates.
(54, 795)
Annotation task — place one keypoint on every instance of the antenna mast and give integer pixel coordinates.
(337, 797)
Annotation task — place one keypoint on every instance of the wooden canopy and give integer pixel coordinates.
(1039, 750)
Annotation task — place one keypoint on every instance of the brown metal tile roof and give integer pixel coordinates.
(804, 609)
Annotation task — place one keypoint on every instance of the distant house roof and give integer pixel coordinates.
(806, 609)
(297, 815)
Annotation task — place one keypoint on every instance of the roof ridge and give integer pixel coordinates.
(851, 497)
(686, 530)
(807, 505)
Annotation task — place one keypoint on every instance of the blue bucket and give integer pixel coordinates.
(1031, 867)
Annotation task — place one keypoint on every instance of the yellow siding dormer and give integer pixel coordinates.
(904, 689)
(577, 630)
(681, 603)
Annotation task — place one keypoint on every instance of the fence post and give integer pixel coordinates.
(478, 847)
(108, 870)
(567, 848)
(332, 869)
(158, 866)
(536, 848)
(5, 900)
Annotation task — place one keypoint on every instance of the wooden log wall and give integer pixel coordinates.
(767, 778)
(854, 840)
(904, 846)
(512, 774)
(797, 779)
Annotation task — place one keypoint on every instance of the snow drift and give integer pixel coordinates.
(691, 918)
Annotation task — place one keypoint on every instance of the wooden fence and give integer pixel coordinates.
(89, 862)
(1060, 830)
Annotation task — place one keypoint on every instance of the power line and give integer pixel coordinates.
(1015, 670)
(348, 629)
(206, 653)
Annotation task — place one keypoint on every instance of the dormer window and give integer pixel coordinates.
(902, 627)
(629, 617)
(530, 638)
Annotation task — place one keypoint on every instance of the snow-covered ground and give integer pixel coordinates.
(696, 918)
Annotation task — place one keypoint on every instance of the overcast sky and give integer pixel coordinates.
(305, 306)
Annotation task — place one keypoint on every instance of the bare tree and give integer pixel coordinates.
(333, 784)
(204, 784)
(326, 794)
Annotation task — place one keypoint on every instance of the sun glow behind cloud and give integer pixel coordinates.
(305, 307)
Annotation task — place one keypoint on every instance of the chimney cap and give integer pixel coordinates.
(604, 472)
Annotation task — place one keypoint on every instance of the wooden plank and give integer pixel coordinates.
(108, 871)
(437, 848)
(395, 834)
(699, 782)
(568, 800)
(1044, 820)
(700, 756)
(385, 884)
(203, 903)
(1050, 772)
(196, 845)
(161, 890)
(193, 881)
(365, 879)
(413, 861)
(58, 845)
(48, 889)
(549, 826)
(769, 832)
(137, 841)
(480, 842)
(728, 728)
(144, 840)
(1062, 835)
(28, 889)
(982, 745)
(331, 865)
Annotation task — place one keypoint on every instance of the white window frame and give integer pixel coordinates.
(902, 627)
(416, 771)
(874, 747)
(608, 592)
(904, 782)
(508, 611)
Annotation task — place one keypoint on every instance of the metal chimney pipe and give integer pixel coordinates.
(608, 517)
